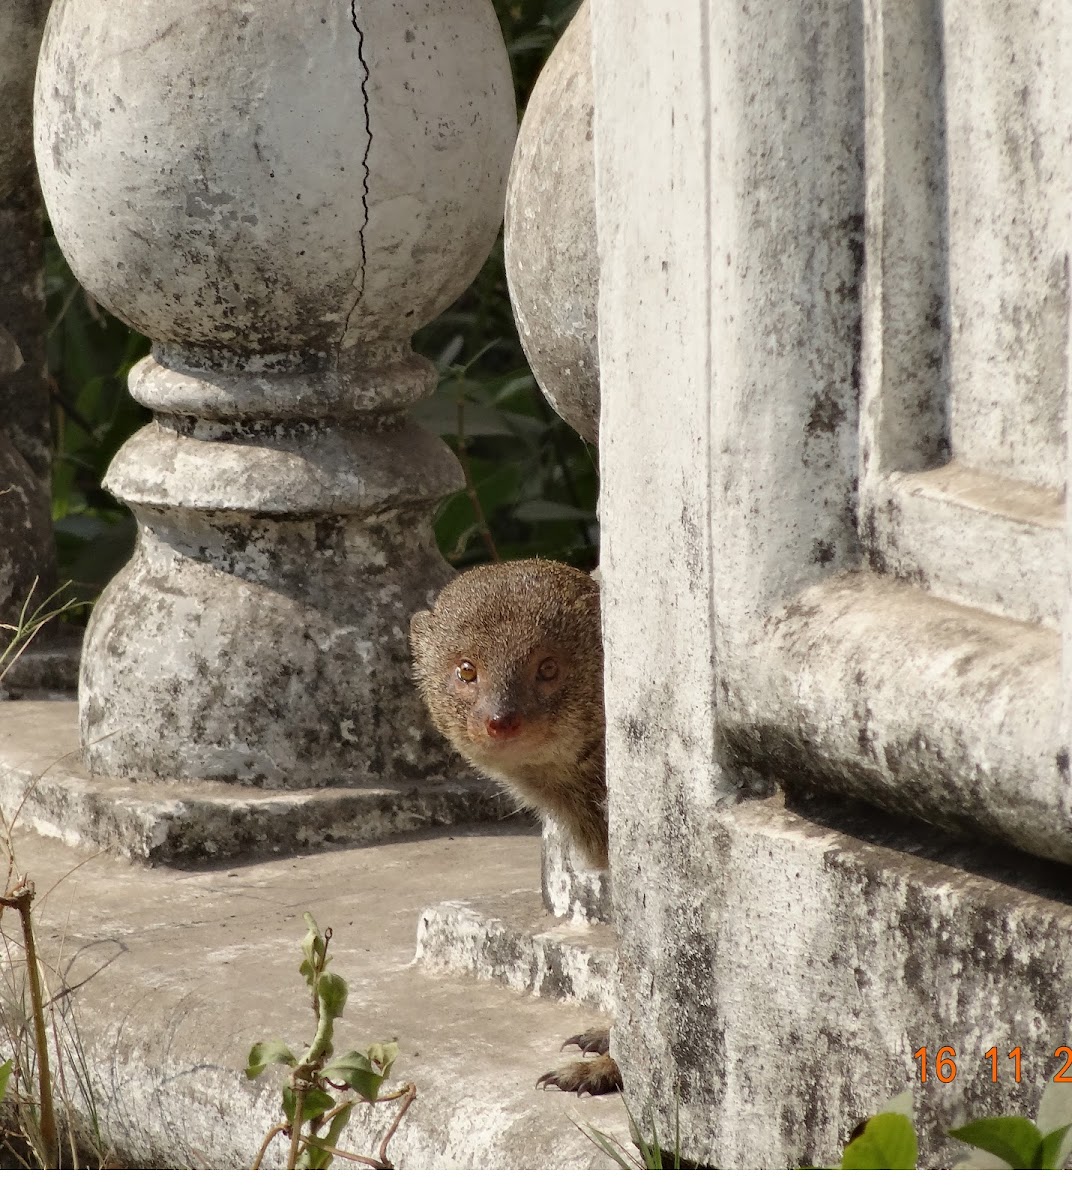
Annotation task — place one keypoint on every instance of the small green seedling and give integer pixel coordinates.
(321, 1092)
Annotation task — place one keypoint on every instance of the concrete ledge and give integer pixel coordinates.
(176, 973)
(783, 999)
(511, 940)
(42, 777)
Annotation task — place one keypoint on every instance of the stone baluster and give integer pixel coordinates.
(279, 196)
(553, 272)
(26, 550)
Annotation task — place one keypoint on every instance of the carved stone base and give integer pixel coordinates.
(41, 775)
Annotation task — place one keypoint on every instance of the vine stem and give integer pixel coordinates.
(21, 898)
(296, 1124)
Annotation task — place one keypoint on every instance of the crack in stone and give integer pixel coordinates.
(364, 165)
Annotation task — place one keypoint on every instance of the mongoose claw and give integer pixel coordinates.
(589, 1077)
(592, 1041)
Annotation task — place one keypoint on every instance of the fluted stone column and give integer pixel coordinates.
(279, 197)
(26, 549)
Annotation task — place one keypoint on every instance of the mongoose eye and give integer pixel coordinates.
(466, 672)
(548, 669)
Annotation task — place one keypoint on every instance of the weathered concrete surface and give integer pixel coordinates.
(778, 972)
(42, 776)
(1008, 180)
(510, 939)
(279, 200)
(46, 669)
(965, 304)
(176, 974)
(570, 887)
(978, 539)
(550, 238)
(830, 946)
(866, 687)
(249, 644)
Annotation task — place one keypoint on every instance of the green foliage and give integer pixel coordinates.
(532, 482)
(887, 1142)
(1019, 1144)
(316, 1090)
(5, 1075)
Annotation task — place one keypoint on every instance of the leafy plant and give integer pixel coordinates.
(315, 1100)
(885, 1142)
(646, 1153)
(1020, 1144)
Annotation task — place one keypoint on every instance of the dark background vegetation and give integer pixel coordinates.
(534, 479)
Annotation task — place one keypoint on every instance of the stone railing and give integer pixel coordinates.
(833, 315)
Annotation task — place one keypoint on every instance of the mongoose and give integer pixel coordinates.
(510, 665)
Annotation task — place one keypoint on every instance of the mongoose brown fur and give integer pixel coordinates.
(510, 665)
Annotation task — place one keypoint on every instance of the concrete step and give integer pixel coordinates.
(173, 974)
(510, 939)
(42, 777)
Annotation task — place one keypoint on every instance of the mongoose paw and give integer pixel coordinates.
(590, 1076)
(592, 1041)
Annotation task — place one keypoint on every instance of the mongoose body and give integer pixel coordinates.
(510, 665)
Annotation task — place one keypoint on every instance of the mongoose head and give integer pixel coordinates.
(510, 664)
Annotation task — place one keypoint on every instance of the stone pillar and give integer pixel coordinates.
(279, 198)
(843, 422)
(26, 549)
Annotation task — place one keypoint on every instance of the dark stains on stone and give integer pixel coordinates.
(1062, 764)
(825, 416)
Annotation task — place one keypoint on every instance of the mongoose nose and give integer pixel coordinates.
(503, 725)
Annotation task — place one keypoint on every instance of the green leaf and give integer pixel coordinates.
(1016, 1140)
(382, 1055)
(1054, 1151)
(550, 510)
(5, 1075)
(313, 951)
(887, 1143)
(317, 1154)
(317, 1102)
(980, 1160)
(332, 991)
(359, 1072)
(265, 1053)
